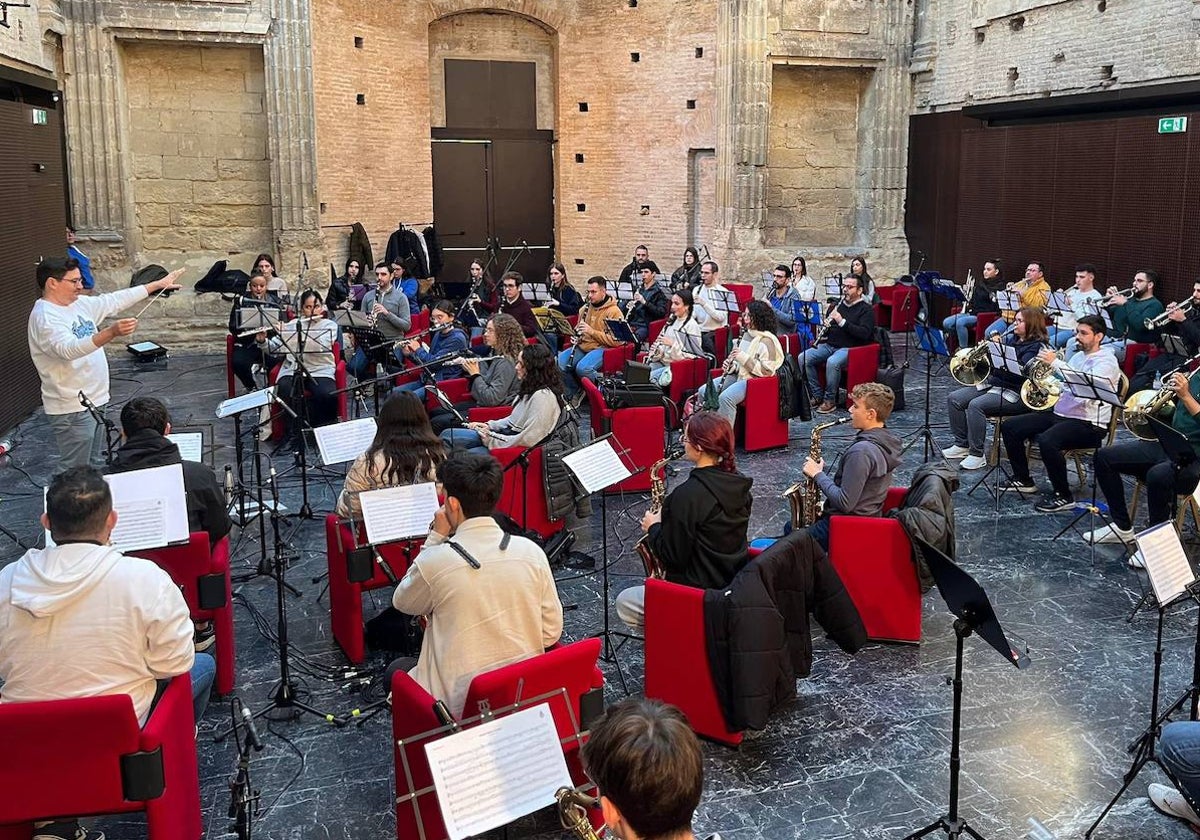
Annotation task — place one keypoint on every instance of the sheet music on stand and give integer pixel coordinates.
(931, 340)
(303, 342)
(342, 442)
(597, 465)
(1166, 562)
(622, 292)
(1088, 387)
(1004, 357)
(351, 319)
(1057, 302)
(621, 330)
(445, 402)
(247, 401)
(551, 320)
(151, 508)
(538, 294)
(255, 319)
(1094, 308)
(1174, 345)
(808, 312)
(398, 513)
(833, 287)
(725, 300)
(1008, 301)
(190, 444)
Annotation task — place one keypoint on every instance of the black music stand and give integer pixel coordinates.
(1003, 357)
(932, 343)
(1173, 581)
(967, 600)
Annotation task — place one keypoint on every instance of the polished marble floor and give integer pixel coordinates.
(861, 753)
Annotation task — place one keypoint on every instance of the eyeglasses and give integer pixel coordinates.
(510, 285)
(78, 281)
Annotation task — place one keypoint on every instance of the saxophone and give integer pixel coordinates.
(658, 492)
(572, 812)
(804, 497)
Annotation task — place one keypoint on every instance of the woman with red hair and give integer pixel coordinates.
(700, 534)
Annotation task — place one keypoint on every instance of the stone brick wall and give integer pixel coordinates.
(1004, 49)
(21, 43)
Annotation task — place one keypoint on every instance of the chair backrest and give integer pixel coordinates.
(185, 563)
(526, 503)
(598, 410)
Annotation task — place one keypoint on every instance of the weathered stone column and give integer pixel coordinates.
(743, 122)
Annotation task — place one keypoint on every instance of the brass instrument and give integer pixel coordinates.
(658, 492)
(1041, 388)
(1161, 320)
(573, 806)
(804, 497)
(1120, 293)
(968, 290)
(970, 365)
(1143, 405)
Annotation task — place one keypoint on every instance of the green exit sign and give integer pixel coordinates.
(39, 116)
(1172, 125)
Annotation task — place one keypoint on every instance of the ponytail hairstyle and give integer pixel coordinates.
(711, 433)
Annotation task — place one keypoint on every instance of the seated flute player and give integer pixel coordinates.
(489, 598)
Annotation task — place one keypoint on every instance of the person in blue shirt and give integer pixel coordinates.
(403, 280)
(85, 264)
(448, 341)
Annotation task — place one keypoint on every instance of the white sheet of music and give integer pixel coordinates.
(1166, 562)
(141, 523)
(597, 466)
(497, 772)
(253, 399)
(165, 484)
(341, 442)
(397, 513)
(191, 445)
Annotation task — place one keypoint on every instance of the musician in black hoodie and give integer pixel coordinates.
(700, 534)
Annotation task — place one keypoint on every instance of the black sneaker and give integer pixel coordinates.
(204, 638)
(1054, 503)
(66, 830)
(1016, 485)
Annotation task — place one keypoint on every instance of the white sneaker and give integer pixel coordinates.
(1109, 534)
(956, 452)
(1136, 560)
(973, 462)
(1170, 801)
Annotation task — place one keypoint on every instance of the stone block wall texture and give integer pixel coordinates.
(22, 42)
(374, 159)
(1054, 47)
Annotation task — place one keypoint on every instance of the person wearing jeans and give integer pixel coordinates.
(1179, 752)
(1165, 480)
(584, 360)
(757, 354)
(1073, 424)
(850, 324)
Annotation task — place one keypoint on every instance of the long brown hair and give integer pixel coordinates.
(406, 439)
(1035, 324)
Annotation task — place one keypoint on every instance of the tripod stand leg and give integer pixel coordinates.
(929, 829)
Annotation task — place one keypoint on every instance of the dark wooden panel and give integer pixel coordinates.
(523, 178)
(980, 201)
(491, 94)
(1029, 195)
(461, 202)
(1082, 214)
(30, 228)
(1189, 241)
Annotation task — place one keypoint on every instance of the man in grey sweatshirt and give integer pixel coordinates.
(863, 477)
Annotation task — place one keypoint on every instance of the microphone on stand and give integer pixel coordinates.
(251, 731)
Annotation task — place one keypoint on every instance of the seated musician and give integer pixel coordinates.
(970, 406)
(83, 620)
(535, 413)
(1080, 300)
(493, 379)
(679, 339)
(513, 303)
(309, 348)
(804, 286)
(699, 536)
(850, 324)
(860, 485)
(584, 359)
(489, 598)
(341, 289)
(709, 312)
(1180, 323)
(563, 296)
(404, 280)
(782, 299)
(648, 769)
(1130, 313)
(633, 270)
(688, 273)
(758, 353)
(649, 302)
(251, 350)
(1147, 461)
(983, 299)
(1073, 424)
(404, 451)
(1034, 292)
(388, 306)
(448, 341)
(485, 296)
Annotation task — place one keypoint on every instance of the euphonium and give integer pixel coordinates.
(572, 812)
(658, 492)
(804, 496)
(1041, 388)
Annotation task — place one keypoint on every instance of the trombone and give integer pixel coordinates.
(1161, 320)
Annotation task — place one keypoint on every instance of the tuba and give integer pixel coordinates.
(658, 492)
(804, 497)
(573, 806)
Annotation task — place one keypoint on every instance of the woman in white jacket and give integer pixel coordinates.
(758, 353)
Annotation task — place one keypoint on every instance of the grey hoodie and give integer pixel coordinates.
(81, 620)
(863, 476)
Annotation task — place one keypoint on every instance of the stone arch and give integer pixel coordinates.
(545, 14)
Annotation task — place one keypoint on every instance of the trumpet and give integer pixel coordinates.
(1144, 405)
(1161, 320)
(968, 289)
(1120, 293)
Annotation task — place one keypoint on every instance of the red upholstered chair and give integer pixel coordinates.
(1134, 349)
(899, 307)
(982, 322)
(758, 423)
(616, 357)
(687, 375)
(229, 377)
(862, 365)
(339, 382)
(873, 556)
(720, 345)
(791, 343)
(744, 292)
(654, 328)
(526, 502)
(571, 667)
(67, 758)
(349, 580)
(203, 576)
(677, 668)
(640, 430)
(459, 390)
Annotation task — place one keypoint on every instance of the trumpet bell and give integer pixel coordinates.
(968, 370)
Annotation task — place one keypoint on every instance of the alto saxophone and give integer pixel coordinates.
(658, 491)
(573, 806)
(804, 497)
